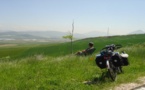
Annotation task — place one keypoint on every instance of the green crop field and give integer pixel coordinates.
(52, 67)
(61, 49)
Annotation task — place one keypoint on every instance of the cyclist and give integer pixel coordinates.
(88, 50)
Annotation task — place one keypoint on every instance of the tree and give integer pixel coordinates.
(70, 37)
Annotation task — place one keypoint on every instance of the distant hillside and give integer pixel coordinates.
(46, 34)
(53, 34)
(32, 34)
(95, 34)
(17, 35)
(137, 32)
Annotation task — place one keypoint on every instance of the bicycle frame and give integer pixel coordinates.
(107, 58)
(107, 64)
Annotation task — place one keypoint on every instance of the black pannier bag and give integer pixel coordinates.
(125, 59)
(117, 60)
(100, 61)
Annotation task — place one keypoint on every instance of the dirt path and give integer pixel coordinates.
(140, 85)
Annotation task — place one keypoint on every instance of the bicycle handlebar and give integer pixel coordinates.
(112, 47)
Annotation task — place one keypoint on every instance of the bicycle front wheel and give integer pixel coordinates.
(112, 72)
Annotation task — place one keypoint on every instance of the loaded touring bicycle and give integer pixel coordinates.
(112, 61)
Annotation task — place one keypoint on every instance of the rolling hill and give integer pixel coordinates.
(52, 67)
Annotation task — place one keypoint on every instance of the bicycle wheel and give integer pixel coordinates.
(112, 72)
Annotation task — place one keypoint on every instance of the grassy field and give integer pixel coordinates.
(51, 67)
(61, 49)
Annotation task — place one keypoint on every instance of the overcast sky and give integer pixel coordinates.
(121, 16)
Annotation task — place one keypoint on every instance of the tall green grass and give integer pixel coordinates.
(67, 72)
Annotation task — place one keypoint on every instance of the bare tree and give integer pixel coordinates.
(70, 36)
